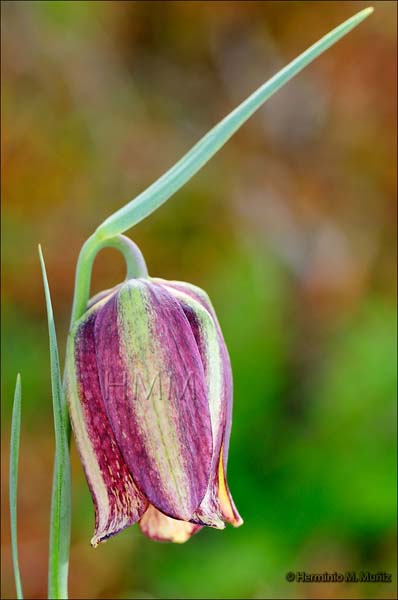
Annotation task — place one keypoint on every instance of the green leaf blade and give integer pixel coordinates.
(13, 486)
(162, 189)
(60, 517)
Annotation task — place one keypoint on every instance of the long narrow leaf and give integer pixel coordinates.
(14, 455)
(198, 156)
(61, 495)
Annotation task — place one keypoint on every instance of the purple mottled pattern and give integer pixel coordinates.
(126, 503)
(189, 394)
(211, 507)
(224, 433)
(133, 412)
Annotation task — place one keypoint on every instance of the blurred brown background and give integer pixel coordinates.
(291, 229)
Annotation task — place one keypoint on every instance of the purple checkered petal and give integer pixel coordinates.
(117, 501)
(217, 505)
(153, 384)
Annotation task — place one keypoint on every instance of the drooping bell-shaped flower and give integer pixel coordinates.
(149, 389)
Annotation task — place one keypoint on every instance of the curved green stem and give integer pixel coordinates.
(171, 181)
(135, 262)
(61, 490)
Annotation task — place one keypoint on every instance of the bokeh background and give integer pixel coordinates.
(291, 229)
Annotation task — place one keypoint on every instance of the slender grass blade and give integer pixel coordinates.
(61, 493)
(14, 456)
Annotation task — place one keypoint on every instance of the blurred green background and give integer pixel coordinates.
(291, 229)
